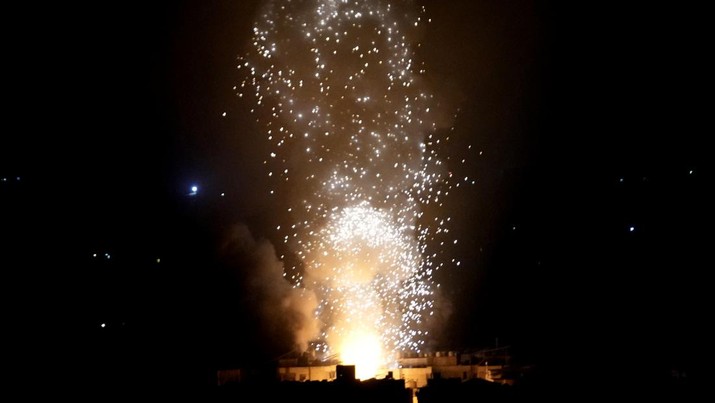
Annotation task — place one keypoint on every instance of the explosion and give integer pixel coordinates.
(352, 160)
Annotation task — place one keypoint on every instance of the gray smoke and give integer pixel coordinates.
(280, 309)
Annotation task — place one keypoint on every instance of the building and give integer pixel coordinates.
(344, 387)
(415, 370)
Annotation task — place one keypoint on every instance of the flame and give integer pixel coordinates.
(363, 349)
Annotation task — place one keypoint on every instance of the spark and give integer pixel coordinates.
(340, 94)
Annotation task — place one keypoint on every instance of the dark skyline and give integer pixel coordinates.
(582, 240)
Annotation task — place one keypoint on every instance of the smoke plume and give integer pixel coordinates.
(279, 308)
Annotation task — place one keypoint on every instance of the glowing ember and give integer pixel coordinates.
(336, 87)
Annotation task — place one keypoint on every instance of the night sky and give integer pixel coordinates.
(582, 242)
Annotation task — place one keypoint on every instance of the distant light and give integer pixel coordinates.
(193, 190)
(158, 260)
(631, 229)
(103, 325)
(690, 172)
(4, 179)
(107, 256)
(620, 180)
(17, 178)
(223, 194)
(223, 114)
(94, 255)
(513, 228)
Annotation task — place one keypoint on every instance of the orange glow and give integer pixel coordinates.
(363, 349)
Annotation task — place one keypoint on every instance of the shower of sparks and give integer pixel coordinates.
(353, 158)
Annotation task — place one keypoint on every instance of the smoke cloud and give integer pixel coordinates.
(281, 311)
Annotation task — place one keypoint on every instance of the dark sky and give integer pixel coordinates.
(592, 120)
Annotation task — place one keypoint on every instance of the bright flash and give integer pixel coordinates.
(364, 350)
